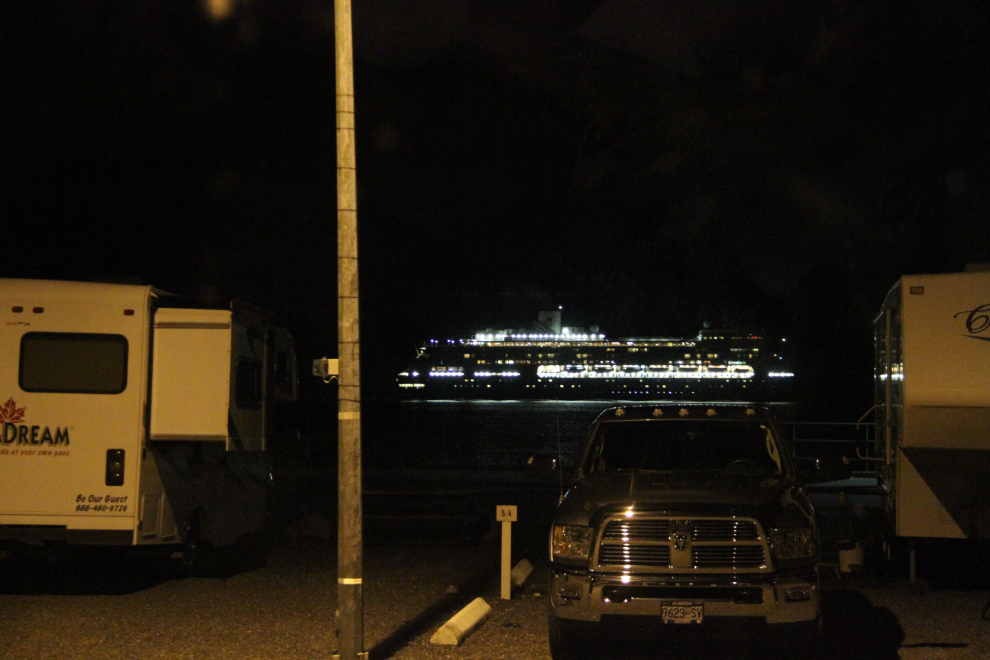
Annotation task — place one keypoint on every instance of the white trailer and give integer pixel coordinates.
(932, 378)
(126, 421)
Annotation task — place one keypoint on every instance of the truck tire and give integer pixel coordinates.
(565, 638)
(804, 641)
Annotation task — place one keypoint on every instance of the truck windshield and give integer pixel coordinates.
(670, 445)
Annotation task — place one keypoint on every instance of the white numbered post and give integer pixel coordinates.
(507, 514)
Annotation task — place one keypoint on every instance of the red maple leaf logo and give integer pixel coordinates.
(9, 412)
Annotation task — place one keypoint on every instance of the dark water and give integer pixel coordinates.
(488, 435)
(472, 434)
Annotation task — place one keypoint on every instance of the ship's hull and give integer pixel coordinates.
(720, 369)
(599, 389)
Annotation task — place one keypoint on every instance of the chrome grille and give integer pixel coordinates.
(725, 530)
(682, 544)
(727, 556)
(637, 530)
(635, 555)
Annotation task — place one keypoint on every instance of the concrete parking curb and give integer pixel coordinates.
(521, 572)
(463, 623)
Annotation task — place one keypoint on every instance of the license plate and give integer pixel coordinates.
(682, 612)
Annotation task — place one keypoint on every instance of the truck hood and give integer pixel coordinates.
(773, 500)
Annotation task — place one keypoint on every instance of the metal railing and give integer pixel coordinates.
(852, 440)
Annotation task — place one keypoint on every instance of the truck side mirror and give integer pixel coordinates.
(542, 468)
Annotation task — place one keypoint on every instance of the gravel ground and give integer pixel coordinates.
(935, 624)
(136, 608)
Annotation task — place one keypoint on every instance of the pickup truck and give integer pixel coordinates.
(685, 518)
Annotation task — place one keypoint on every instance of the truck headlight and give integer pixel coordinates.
(792, 542)
(571, 542)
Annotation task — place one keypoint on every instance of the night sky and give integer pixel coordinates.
(649, 165)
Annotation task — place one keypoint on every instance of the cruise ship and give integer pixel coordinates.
(555, 362)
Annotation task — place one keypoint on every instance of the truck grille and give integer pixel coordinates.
(635, 555)
(683, 544)
(725, 530)
(728, 556)
(637, 530)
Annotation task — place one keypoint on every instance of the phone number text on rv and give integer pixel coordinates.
(101, 503)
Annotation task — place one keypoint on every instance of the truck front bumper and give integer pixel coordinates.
(770, 600)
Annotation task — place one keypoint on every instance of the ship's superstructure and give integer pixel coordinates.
(573, 364)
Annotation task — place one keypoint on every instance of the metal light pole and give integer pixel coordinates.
(350, 636)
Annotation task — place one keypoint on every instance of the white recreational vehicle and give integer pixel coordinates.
(126, 421)
(933, 405)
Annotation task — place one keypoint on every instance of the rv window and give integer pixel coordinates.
(73, 362)
(247, 392)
